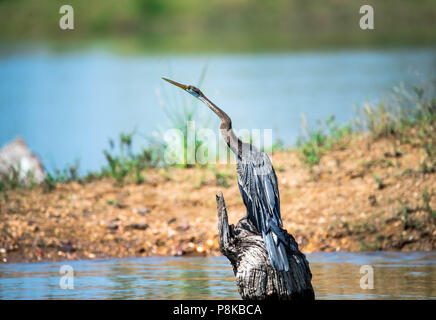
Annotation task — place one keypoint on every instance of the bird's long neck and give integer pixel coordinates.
(234, 143)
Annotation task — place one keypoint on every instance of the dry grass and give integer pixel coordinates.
(337, 204)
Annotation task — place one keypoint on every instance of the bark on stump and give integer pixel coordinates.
(255, 277)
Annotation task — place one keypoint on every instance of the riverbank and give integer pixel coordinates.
(365, 195)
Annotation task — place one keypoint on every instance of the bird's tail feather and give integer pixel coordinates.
(276, 252)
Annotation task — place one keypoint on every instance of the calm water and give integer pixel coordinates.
(67, 106)
(335, 276)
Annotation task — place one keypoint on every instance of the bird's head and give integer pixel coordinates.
(188, 88)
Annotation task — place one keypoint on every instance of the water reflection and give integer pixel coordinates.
(335, 276)
(409, 275)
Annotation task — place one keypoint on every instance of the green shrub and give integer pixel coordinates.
(408, 114)
(315, 143)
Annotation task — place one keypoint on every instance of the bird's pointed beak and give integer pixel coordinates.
(184, 87)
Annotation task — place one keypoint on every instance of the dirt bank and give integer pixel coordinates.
(368, 196)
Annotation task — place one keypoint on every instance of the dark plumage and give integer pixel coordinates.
(258, 185)
(259, 189)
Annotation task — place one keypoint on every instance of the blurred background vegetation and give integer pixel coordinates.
(219, 25)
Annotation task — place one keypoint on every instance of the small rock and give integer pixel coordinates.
(120, 205)
(67, 247)
(183, 227)
(172, 220)
(54, 215)
(179, 252)
(142, 211)
(160, 243)
(138, 226)
(113, 226)
(372, 200)
(396, 154)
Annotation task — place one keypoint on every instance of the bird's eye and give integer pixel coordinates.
(194, 91)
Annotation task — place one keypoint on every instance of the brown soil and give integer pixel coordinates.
(338, 205)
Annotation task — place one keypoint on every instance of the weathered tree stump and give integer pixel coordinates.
(255, 277)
